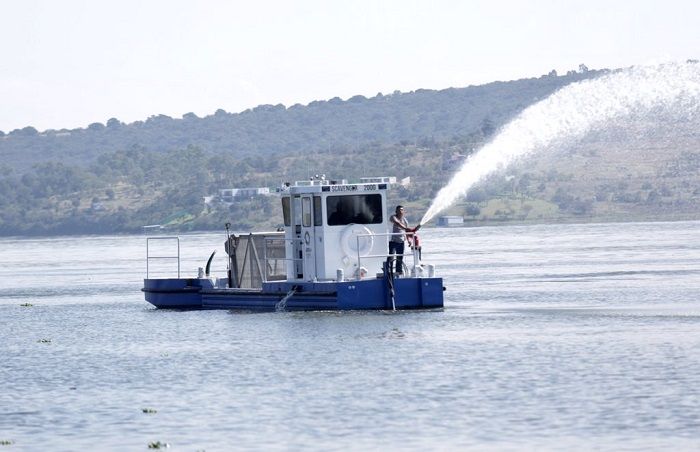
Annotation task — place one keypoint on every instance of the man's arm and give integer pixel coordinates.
(398, 223)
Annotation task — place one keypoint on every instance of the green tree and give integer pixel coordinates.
(472, 210)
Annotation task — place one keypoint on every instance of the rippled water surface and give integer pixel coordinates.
(552, 337)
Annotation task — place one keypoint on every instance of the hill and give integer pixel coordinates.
(98, 181)
(335, 124)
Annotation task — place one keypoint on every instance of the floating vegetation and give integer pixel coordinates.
(6, 442)
(149, 410)
(26, 305)
(158, 445)
(44, 341)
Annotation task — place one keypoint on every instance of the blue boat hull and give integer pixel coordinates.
(409, 293)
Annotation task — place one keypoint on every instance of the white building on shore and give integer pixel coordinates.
(230, 194)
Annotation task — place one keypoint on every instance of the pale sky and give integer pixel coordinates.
(68, 63)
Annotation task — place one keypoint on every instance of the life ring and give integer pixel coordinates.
(349, 241)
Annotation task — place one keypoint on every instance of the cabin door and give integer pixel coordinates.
(297, 241)
(308, 237)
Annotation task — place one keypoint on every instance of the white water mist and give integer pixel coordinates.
(570, 113)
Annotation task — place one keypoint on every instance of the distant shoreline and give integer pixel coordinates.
(468, 224)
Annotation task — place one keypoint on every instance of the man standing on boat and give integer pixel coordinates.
(398, 236)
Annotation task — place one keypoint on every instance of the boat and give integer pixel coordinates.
(330, 255)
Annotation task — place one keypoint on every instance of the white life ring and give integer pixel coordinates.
(349, 241)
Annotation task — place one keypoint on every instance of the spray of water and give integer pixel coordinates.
(573, 111)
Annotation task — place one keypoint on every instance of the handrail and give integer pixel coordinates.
(267, 258)
(414, 254)
(149, 257)
(285, 258)
(281, 258)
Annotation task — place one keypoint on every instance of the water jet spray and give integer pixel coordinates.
(570, 113)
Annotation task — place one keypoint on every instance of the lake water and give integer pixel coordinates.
(552, 337)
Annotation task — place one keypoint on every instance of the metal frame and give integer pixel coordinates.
(253, 254)
(265, 259)
(414, 254)
(149, 257)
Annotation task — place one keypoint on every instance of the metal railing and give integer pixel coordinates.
(285, 258)
(149, 257)
(415, 254)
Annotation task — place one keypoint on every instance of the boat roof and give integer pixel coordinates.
(319, 185)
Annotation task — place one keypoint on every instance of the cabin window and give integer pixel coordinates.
(297, 212)
(358, 209)
(318, 215)
(286, 211)
(306, 212)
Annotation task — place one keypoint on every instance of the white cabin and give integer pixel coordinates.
(325, 221)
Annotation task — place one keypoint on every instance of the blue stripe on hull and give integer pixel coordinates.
(268, 302)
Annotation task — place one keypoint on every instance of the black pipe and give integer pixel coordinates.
(228, 257)
(206, 272)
